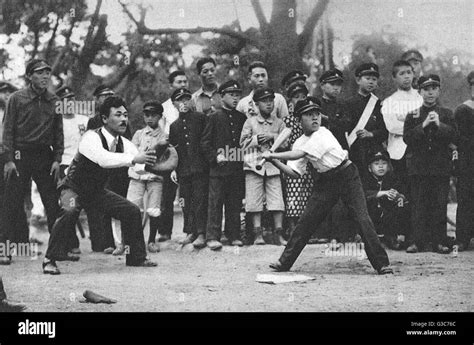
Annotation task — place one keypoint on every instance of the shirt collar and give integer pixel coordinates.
(261, 119)
(151, 131)
(109, 137)
(201, 91)
(33, 94)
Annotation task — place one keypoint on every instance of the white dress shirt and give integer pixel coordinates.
(395, 109)
(170, 115)
(322, 150)
(91, 147)
(247, 106)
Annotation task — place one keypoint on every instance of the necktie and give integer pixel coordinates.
(113, 147)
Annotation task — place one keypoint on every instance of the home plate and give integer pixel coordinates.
(278, 279)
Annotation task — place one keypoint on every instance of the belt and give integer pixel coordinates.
(345, 163)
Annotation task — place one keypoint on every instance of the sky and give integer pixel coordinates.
(432, 25)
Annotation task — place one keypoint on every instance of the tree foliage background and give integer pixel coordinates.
(72, 37)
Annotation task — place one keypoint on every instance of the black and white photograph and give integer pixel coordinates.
(237, 156)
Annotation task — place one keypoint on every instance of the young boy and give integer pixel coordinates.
(366, 127)
(338, 178)
(220, 143)
(428, 134)
(145, 182)
(414, 58)
(464, 116)
(193, 170)
(258, 135)
(386, 205)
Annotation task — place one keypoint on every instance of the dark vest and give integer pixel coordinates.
(87, 178)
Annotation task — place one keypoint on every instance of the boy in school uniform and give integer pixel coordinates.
(464, 116)
(428, 133)
(338, 178)
(141, 181)
(386, 205)
(258, 134)
(366, 130)
(192, 172)
(220, 143)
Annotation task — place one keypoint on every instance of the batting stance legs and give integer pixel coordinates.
(344, 184)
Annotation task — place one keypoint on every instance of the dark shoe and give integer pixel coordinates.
(164, 238)
(238, 243)
(67, 257)
(119, 250)
(258, 237)
(199, 242)
(5, 260)
(385, 270)
(189, 239)
(144, 263)
(7, 306)
(224, 240)
(442, 249)
(50, 268)
(277, 266)
(214, 245)
(108, 250)
(412, 249)
(428, 248)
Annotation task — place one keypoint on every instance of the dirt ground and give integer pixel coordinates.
(191, 280)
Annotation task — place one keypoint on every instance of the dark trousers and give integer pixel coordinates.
(194, 190)
(100, 225)
(465, 211)
(429, 198)
(345, 185)
(108, 203)
(34, 165)
(225, 191)
(3, 294)
(167, 206)
(390, 221)
(401, 172)
(73, 240)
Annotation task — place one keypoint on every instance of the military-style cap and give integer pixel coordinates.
(230, 86)
(293, 76)
(368, 68)
(64, 92)
(295, 88)
(377, 155)
(36, 65)
(264, 92)
(103, 90)
(303, 106)
(425, 81)
(153, 107)
(470, 78)
(180, 93)
(412, 54)
(331, 75)
(5, 86)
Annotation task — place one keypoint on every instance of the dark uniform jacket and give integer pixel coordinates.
(353, 109)
(337, 122)
(185, 134)
(222, 135)
(31, 123)
(428, 151)
(464, 117)
(373, 185)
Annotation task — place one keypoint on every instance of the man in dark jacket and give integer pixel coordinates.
(428, 133)
(220, 143)
(193, 169)
(33, 141)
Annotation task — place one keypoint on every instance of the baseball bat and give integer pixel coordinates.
(282, 137)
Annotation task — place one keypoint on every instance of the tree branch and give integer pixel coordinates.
(259, 14)
(51, 40)
(308, 28)
(55, 66)
(142, 29)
